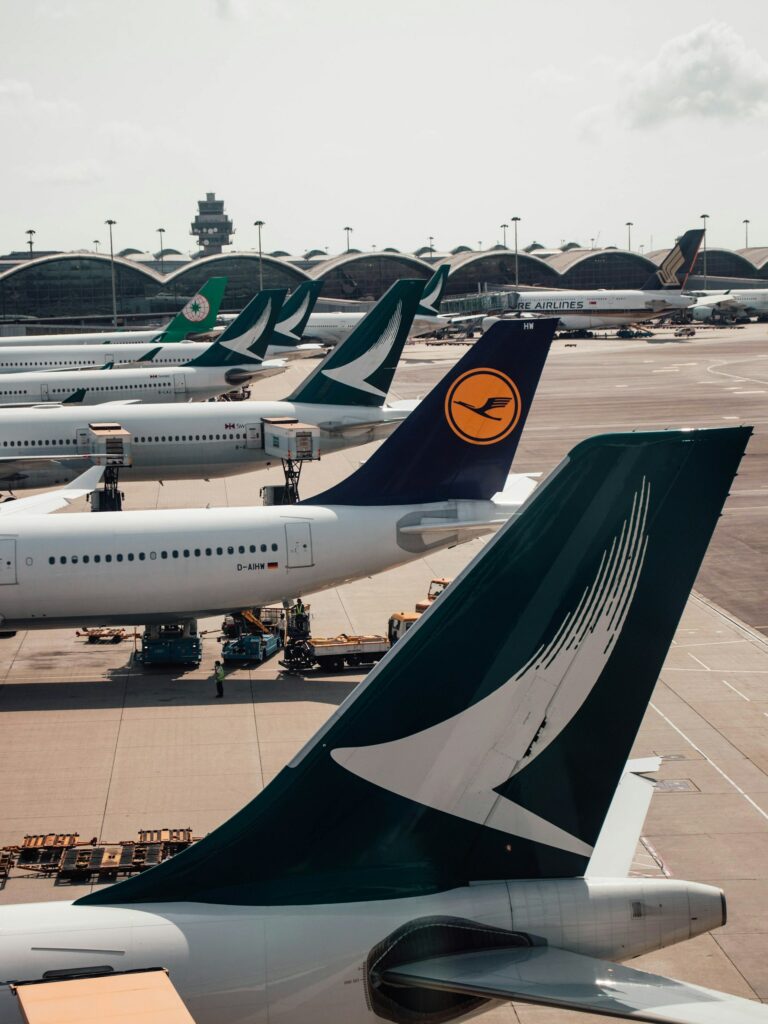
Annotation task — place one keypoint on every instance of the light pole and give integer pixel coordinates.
(504, 229)
(431, 247)
(260, 224)
(97, 243)
(705, 218)
(30, 233)
(745, 222)
(161, 232)
(111, 224)
(348, 231)
(629, 225)
(515, 222)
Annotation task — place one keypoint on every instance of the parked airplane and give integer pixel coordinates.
(429, 850)
(231, 361)
(198, 315)
(735, 304)
(47, 445)
(332, 328)
(286, 343)
(609, 308)
(432, 484)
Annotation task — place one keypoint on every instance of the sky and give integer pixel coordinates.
(402, 119)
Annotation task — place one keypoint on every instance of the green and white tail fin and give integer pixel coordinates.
(433, 292)
(199, 314)
(247, 338)
(295, 313)
(470, 755)
(359, 371)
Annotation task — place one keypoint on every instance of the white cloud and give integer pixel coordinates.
(75, 172)
(710, 72)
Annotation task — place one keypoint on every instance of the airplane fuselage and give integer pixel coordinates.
(596, 309)
(91, 387)
(333, 328)
(173, 565)
(172, 442)
(301, 964)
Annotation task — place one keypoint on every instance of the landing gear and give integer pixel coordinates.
(108, 498)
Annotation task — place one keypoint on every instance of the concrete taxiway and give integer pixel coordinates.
(91, 743)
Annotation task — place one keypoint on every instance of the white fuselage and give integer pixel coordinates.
(596, 309)
(307, 964)
(91, 387)
(90, 338)
(333, 328)
(745, 302)
(178, 564)
(196, 440)
(20, 359)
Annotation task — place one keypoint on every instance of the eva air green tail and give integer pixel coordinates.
(489, 742)
(199, 314)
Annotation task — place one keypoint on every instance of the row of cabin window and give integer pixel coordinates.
(138, 440)
(82, 362)
(184, 553)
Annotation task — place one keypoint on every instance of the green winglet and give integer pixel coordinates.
(199, 314)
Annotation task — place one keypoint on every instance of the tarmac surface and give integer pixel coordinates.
(91, 743)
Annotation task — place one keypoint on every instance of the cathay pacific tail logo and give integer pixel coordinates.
(244, 342)
(356, 373)
(290, 325)
(458, 765)
(197, 309)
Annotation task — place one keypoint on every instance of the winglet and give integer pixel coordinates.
(50, 501)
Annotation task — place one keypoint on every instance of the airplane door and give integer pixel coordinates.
(253, 435)
(7, 561)
(83, 440)
(298, 537)
(179, 384)
(44, 394)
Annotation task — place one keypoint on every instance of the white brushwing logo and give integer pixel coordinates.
(430, 298)
(197, 309)
(245, 341)
(289, 326)
(456, 765)
(356, 373)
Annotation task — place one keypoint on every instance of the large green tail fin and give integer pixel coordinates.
(199, 314)
(295, 313)
(359, 371)
(247, 338)
(469, 755)
(433, 292)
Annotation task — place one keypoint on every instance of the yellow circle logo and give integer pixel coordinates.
(483, 406)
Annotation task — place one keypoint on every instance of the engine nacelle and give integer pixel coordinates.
(702, 313)
(615, 919)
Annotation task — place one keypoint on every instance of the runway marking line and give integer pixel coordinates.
(742, 695)
(699, 661)
(709, 761)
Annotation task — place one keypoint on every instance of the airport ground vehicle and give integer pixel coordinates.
(248, 639)
(685, 332)
(334, 653)
(436, 587)
(170, 644)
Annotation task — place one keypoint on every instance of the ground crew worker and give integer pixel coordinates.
(218, 672)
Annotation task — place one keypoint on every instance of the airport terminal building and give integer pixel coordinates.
(66, 285)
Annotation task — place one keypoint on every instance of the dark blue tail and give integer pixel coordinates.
(460, 440)
(677, 264)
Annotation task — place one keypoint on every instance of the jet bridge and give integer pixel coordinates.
(110, 446)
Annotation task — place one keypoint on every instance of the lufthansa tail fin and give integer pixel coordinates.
(296, 312)
(433, 292)
(460, 440)
(457, 761)
(677, 264)
(359, 371)
(247, 338)
(199, 314)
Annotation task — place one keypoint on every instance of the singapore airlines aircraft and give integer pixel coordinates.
(198, 316)
(46, 445)
(231, 361)
(429, 851)
(286, 342)
(434, 483)
(607, 309)
(332, 328)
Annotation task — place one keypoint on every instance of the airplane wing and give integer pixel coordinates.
(50, 501)
(548, 976)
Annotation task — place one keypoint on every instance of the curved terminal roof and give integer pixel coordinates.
(366, 275)
(601, 268)
(757, 256)
(496, 269)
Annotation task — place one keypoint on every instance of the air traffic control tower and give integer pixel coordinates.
(212, 226)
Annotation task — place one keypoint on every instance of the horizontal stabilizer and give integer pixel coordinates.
(50, 501)
(616, 845)
(548, 976)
